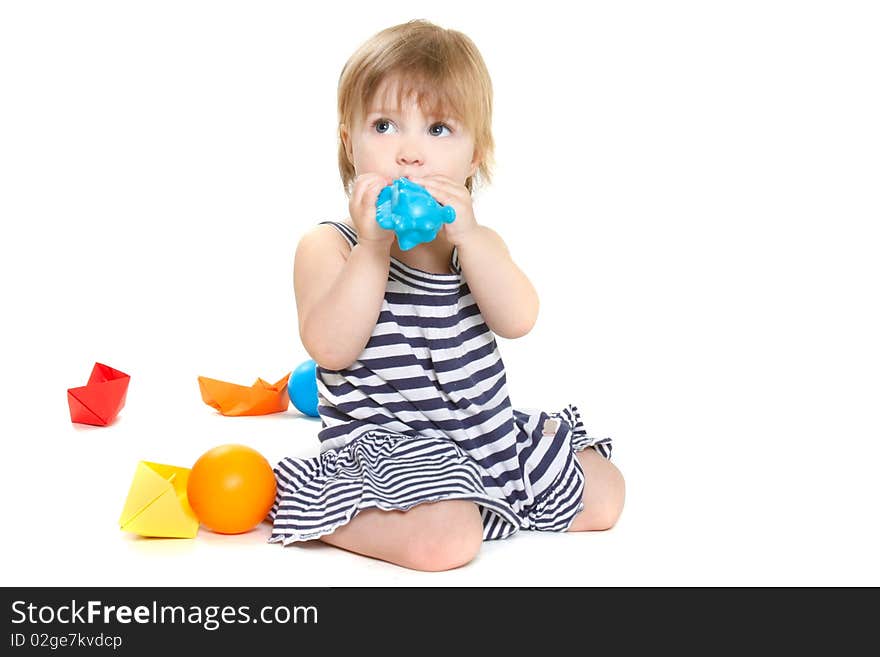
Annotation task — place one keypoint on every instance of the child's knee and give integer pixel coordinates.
(604, 493)
(448, 536)
(455, 549)
(614, 495)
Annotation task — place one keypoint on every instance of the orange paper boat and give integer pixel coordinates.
(262, 398)
(100, 400)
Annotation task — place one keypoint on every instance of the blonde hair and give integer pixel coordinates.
(442, 68)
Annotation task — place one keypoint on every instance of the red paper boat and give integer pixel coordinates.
(100, 400)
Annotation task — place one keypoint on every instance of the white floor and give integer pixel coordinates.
(739, 524)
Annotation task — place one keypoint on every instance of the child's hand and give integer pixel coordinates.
(362, 208)
(448, 192)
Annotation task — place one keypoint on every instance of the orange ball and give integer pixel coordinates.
(231, 489)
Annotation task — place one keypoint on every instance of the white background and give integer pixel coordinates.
(691, 186)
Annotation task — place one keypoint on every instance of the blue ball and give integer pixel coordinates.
(303, 388)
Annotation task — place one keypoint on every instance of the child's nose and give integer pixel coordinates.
(410, 155)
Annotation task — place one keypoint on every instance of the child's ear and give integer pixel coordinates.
(475, 163)
(346, 141)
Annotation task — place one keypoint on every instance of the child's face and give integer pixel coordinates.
(402, 141)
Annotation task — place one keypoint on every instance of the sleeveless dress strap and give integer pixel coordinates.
(351, 236)
(345, 229)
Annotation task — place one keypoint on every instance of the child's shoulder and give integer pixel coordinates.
(329, 224)
(328, 233)
(324, 236)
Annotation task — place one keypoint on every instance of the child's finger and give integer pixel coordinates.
(375, 190)
(355, 190)
(367, 186)
(436, 191)
(357, 195)
(380, 184)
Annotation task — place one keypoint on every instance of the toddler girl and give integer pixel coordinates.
(422, 455)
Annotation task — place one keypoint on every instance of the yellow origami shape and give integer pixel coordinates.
(157, 504)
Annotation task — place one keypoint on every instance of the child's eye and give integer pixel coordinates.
(382, 125)
(441, 126)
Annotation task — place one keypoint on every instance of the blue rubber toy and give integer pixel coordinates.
(411, 212)
(303, 388)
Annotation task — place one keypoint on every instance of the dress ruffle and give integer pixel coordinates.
(395, 472)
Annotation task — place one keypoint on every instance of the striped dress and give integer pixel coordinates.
(423, 415)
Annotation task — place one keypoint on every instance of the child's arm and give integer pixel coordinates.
(506, 297)
(338, 300)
